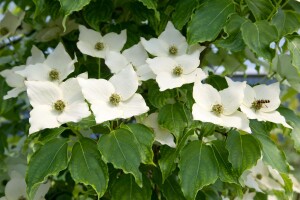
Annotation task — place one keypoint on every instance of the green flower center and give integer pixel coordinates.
(4, 31)
(22, 198)
(115, 99)
(54, 75)
(258, 104)
(99, 46)
(177, 71)
(59, 105)
(173, 50)
(217, 109)
(259, 176)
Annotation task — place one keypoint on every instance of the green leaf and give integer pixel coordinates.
(183, 11)
(171, 189)
(244, 151)
(208, 20)
(294, 121)
(120, 149)
(294, 47)
(8, 104)
(50, 159)
(158, 98)
(198, 168)
(218, 82)
(286, 22)
(87, 167)
(68, 7)
(226, 173)
(282, 64)
(49, 134)
(98, 11)
(124, 188)
(271, 154)
(258, 37)
(168, 155)
(234, 41)
(3, 142)
(151, 4)
(144, 138)
(175, 118)
(261, 9)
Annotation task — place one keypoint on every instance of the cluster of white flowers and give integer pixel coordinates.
(57, 100)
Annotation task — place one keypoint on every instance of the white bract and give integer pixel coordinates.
(9, 24)
(175, 72)
(261, 102)
(55, 68)
(135, 56)
(15, 80)
(163, 136)
(115, 98)
(220, 107)
(15, 189)
(94, 44)
(54, 104)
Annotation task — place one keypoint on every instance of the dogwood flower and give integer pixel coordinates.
(15, 188)
(135, 56)
(175, 72)
(9, 24)
(15, 80)
(170, 43)
(220, 107)
(259, 178)
(261, 102)
(55, 68)
(115, 98)
(163, 136)
(54, 104)
(94, 44)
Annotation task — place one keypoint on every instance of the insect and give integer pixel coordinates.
(258, 104)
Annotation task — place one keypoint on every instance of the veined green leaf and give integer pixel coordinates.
(87, 167)
(294, 47)
(271, 154)
(124, 188)
(171, 189)
(175, 118)
(183, 11)
(258, 37)
(208, 20)
(144, 138)
(244, 151)
(286, 22)
(120, 149)
(198, 168)
(294, 121)
(261, 9)
(226, 173)
(151, 4)
(50, 159)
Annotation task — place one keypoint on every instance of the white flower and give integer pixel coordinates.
(54, 104)
(259, 178)
(9, 24)
(170, 43)
(163, 136)
(15, 80)
(15, 188)
(175, 72)
(296, 184)
(135, 56)
(55, 68)
(115, 98)
(261, 102)
(220, 107)
(94, 44)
